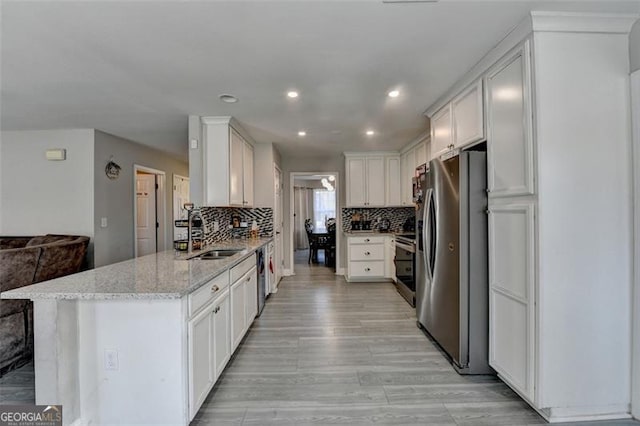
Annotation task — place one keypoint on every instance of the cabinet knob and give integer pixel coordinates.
(367, 253)
(215, 288)
(367, 240)
(367, 269)
(248, 279)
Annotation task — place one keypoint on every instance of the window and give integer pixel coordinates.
(324, 207)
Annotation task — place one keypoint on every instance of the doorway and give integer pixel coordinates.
(315, 219)
(149, 211)
(278, 226)
(180, 197)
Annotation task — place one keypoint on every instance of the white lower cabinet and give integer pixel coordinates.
(219, 316)
(238, 315)
(368, 258)
(221, 333)
(251, 296)
(201, 359)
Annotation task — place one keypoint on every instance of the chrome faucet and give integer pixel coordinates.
(193, 212)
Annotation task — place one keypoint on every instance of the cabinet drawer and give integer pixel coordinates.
(366, 240)
(367, 269)
(366, 252)
(242, 268)
(208, 292)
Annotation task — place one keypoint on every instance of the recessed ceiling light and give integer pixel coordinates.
(394, 93)
(370, 133)
(302, 133)
(230, 99)
(292, 94)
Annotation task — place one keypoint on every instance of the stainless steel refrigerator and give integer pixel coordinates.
(452, 298)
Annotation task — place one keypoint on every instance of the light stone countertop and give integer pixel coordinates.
(372, 233)
(155, 276)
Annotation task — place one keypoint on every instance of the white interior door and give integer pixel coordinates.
(146, 215)
(278, 225)
(180, 197)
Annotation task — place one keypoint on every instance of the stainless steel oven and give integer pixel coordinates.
(405, 263)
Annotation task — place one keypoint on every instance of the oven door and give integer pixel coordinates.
(405, 260)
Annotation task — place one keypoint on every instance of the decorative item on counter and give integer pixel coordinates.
(112, 169)
(254, 230)
(235, 221)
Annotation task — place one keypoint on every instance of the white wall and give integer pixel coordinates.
(40, 196)
(634, 46)
(310, 164)
(114, 198)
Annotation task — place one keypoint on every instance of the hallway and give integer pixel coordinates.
(326, 351)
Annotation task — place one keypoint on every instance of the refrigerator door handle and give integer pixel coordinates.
(426, 234)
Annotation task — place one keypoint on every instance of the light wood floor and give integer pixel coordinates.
(328, 352)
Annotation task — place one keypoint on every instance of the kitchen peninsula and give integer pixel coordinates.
(141, 341)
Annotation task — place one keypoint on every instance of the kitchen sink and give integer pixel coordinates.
(218, 254)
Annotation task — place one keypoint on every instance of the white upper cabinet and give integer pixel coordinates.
(376, 182)
(224, 176)
(393, 182)
(441, 137)
(408, 171)
(459, 123)
(247, 174)
(510, 150)
(420, 154)
(373, 179)
(356, 181)
(468, 117)
(236, 175)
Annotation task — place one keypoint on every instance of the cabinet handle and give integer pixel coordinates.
(216, 310)
(248, 279)
(367, 253)
(367, 269)
(214, 289)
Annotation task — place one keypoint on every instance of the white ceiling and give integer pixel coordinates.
(138, 69)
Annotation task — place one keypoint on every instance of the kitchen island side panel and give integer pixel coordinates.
(149, 385)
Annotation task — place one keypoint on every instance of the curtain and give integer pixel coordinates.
(324, 207)
(302, 209)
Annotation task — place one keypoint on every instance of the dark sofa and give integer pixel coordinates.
(25, 261)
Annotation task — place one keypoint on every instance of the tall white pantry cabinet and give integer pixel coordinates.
(557, 114)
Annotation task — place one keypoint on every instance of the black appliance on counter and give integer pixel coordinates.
(405, 262)
(409, 225)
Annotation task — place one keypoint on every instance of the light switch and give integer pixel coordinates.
(103, 222)
(194, 143)
(111, 359)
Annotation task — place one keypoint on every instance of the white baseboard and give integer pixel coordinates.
(341, 271)
(586, 414)
(287, 272)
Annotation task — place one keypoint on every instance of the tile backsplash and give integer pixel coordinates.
(262, 215)
(396, 215)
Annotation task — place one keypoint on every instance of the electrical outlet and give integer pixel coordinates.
(110, 359)
(103, 222)
(216, 226)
